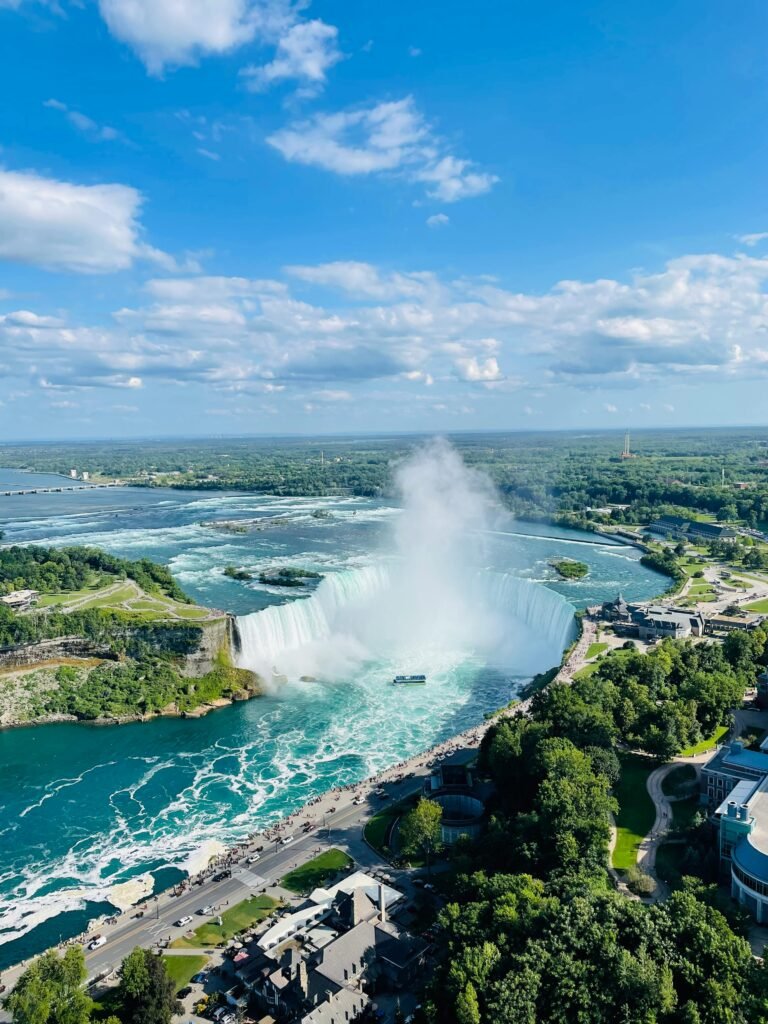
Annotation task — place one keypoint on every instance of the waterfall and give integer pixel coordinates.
(268, 634)
(356, 613)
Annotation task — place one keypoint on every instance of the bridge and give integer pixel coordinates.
(58, 490)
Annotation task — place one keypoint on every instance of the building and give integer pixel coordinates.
(73, 474)
(656, 622)
(86, 476)
(322, 963)
(691, 529)
(615, 611)
(731, 765)
(651, 622)
(452, 785)
(727, 623)
(20, 600)
(743, 845)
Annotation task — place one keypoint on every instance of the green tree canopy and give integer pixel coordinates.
(420, 831)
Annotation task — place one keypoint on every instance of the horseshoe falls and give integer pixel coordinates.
(515, 623)
(84, 810)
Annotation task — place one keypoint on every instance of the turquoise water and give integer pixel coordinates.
(84, 808)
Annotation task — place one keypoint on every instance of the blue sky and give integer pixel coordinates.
(258, 216)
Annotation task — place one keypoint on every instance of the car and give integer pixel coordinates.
(253, 858)
(226, 873)
(97, 942)
(219, 1012)
(358, 800)
(184, 992)
(183, 921)
(204, 911)
(200, 978)
(429, 887)
(227, 1018)
(286, 840)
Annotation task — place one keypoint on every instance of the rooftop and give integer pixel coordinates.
(752, 759)
(740, 793)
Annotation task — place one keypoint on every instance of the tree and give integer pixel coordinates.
(51, 991)
(146, 992)
(420, 830)
(467, 1008)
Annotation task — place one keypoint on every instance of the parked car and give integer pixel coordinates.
(184, 992)
(200, 978)
(183, 921)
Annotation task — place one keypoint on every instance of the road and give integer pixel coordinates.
(340, 829)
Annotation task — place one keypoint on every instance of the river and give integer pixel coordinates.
(85, 808)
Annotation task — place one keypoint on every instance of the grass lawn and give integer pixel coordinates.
(317, 871)
(597, 648)
(679, 780)
(707, 744)
(588, 670)
(237, 919)
(183, 968)
(636, 812)
(757, 606)
(377, 829)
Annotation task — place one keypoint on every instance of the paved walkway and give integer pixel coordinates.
(648, 848)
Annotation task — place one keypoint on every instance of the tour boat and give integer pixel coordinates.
(409, 680)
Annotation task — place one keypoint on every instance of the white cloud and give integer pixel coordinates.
(453, 179)
(388, 137)
(476, 371)
(758, 236)
(362, 280)
(63, 226)
(305, 53)
(344, 323)
(83, 123)
(332, 395)
(176, 32)
(438, 220)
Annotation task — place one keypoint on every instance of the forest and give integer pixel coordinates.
(533, 931)
(137, 687)
(53, 570)
(720, 472)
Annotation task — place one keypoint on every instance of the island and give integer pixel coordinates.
(288, 577)
(238, 574)
(569, 568)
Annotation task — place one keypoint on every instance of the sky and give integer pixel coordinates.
(276, 216)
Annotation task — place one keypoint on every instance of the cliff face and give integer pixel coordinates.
(196, 647)
(53, 650)
(214, 641)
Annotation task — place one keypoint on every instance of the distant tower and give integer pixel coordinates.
(626, 454)
(722, 476)
(322, 460)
